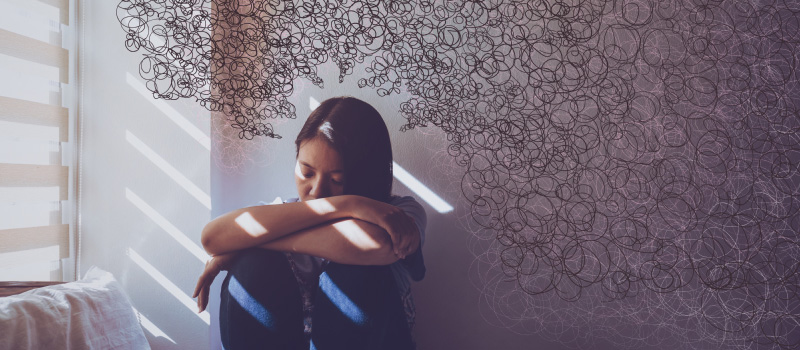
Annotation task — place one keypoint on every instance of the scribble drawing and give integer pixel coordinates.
(630, 164)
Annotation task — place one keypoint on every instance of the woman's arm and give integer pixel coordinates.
(348, 241)
(255, 226)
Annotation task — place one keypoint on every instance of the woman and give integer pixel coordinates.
(339, 257)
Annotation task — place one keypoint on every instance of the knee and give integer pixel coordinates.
(359, 275)
(363, 270)
(255, 263)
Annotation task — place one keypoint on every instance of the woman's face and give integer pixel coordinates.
(319, 171)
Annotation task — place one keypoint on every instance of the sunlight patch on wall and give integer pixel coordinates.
(173, 173)
(170, 112)
(167, 226)
(182, 297)
(151, 327)
(421, 190)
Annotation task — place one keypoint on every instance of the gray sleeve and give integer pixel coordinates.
(413, 209)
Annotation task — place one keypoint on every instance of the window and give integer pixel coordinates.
(38, 149)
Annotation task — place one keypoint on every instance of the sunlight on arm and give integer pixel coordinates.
(321, 206)
(249, 224)
(350, 230)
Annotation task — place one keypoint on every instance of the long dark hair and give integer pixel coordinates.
(357, 131)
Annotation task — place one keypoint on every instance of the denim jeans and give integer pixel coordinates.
(355, 307)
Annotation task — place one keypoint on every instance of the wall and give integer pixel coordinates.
(145, 186)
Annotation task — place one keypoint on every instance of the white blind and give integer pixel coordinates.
(37, 143)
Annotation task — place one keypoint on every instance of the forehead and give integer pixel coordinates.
(319, 154)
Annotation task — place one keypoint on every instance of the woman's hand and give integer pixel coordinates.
(401, 228)
(213, 267)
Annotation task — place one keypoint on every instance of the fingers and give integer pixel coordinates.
(202, 290)
(414, 238)
(200, 282)
(395, 230)
(407, 237)
(396, 243)
(202, 301)
(203, 286)
(402, 231)
(200, 304)
(197, 287)
(402, 243)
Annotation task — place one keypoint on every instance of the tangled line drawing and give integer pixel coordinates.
(633, 167)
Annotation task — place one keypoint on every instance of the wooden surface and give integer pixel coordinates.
(11, 288)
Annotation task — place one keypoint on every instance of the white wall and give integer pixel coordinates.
(129, 201)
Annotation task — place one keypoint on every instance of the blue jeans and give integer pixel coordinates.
(355, 307)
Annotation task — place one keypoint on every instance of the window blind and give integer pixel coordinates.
(37, 140)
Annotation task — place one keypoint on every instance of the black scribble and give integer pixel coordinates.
(633, 165)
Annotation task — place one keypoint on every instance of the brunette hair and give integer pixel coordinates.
(357, 131)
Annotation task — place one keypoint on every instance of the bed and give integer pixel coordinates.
(91, 313)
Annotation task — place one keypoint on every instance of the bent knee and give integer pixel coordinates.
(360, 273)
(259, 263)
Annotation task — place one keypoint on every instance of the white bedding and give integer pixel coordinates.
(92, 313)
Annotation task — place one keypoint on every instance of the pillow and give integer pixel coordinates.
(92, 313)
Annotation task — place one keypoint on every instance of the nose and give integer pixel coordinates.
(320, 188)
